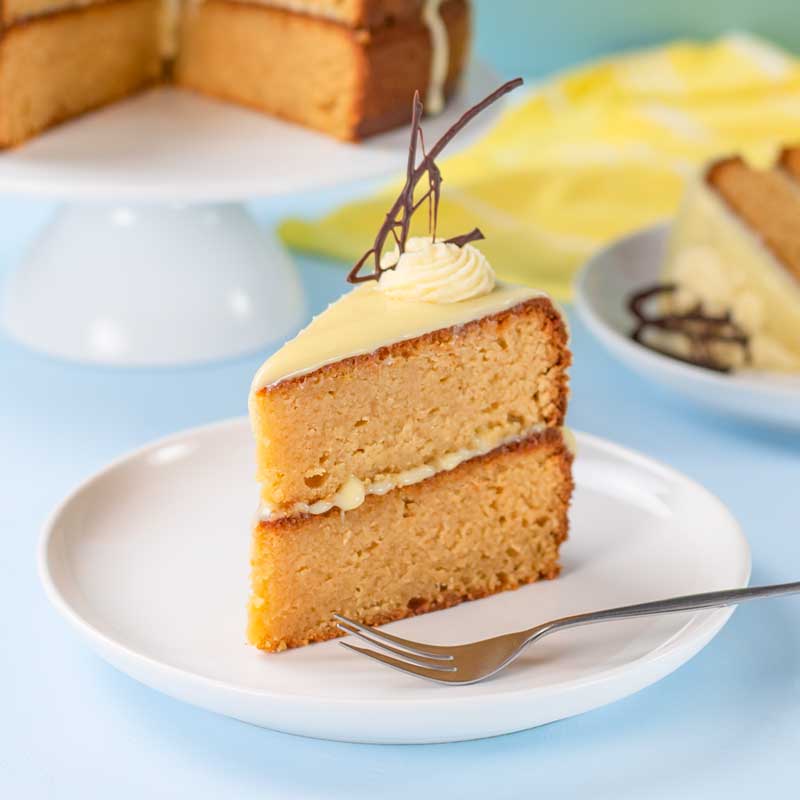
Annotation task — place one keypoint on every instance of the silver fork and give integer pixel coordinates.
(470, 663)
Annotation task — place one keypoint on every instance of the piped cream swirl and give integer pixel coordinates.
(436, 272)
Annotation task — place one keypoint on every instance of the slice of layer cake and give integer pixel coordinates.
(56, 66)
(347, 81)
(735, 248)
(409, 441)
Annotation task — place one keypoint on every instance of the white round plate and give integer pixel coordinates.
(633, 263)
(148, 560)
(170, 145)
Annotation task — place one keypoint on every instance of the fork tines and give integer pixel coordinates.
(420, 659)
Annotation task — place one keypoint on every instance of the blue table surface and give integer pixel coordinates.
(725, 725)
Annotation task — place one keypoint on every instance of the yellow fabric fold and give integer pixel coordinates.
(592, 154)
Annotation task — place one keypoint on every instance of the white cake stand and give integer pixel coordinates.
(153, 259)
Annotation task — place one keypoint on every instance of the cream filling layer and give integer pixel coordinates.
(440, 55)
(431, 271)
(355, 491)
(169, 28)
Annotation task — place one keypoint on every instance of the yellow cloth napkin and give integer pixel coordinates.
(592, 154)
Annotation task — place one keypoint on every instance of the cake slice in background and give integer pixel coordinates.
(410, 440)
(326, 69)
(735, 249)
(71, 60)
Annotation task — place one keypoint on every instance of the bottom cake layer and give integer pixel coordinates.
(493, 523)
(60, 65)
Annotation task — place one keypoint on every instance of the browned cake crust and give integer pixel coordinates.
(387, 91)
(410, 402)
(789, 161)
(492, 524)
(59, 66)
(767, 201)
(316, 72)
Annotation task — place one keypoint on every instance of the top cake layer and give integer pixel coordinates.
(374, 419)
(366, 319)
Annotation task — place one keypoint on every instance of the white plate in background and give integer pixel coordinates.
(601, 295)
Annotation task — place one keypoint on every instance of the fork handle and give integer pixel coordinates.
(690, 602)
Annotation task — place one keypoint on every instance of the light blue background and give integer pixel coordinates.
(727, 725)
(535, 37)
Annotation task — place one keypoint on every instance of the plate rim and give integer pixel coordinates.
(616, 341)
(705, 625)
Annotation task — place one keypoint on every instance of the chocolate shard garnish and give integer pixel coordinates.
(398, 219)
(473, 236)
(700, 330)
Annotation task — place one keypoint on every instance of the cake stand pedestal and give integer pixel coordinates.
(153, 260)
(152, 285)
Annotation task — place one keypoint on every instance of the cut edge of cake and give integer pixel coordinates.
(104, 52)
(368, 94)
(492, 524)
(316, 72)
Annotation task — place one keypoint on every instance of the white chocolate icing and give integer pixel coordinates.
(440, 55)
(570, 441)
(436, 272)
(366, 319)
(355, 491)
(716, 259)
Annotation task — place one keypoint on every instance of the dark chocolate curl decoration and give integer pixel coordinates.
(398, 219)
(700, 329)
(473, 236)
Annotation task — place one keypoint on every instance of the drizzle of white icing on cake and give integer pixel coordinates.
(440, 55)
(366, 319)
(169, 28)
(436, 272)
